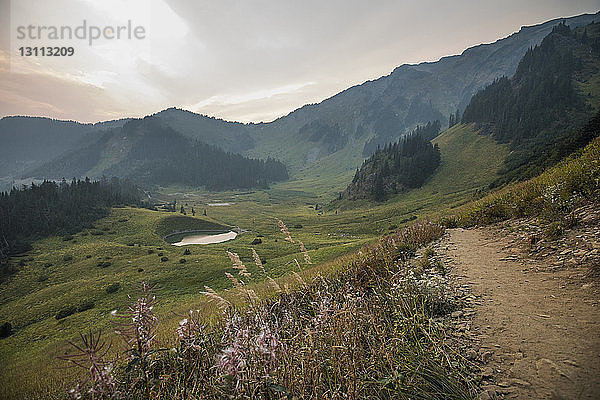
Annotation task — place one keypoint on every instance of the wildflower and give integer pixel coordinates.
(231, 361)
(138, 333)
(189, 329)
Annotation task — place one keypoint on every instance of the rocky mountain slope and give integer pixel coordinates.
(329, 139)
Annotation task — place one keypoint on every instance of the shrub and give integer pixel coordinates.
(187, 252)
(104, 264)
(150, 251)
(6, 330)
(554, 231)
(113, 288)
(182, 261)
(164, 259)
(67, 257)
(72, 309)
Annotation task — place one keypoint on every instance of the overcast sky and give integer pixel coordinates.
(242, 60)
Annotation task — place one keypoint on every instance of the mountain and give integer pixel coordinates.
(229, 136)
(149, 151)
(539, 111)
(30, 141)
(380, 111)
(328, 140)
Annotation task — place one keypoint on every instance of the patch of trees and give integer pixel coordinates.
(454, 119)
(540, 106)
(165, 157)
(403, 165)
(51, 208)
(427, 131)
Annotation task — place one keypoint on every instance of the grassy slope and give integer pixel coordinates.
(469, 164)
(31, 298)
(469, 161)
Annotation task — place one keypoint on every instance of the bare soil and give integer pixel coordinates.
(536, 324)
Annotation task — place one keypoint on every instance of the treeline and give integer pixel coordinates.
(50, 208)
(428, 131)
(164, 157)
(403, 165)
(540, 106)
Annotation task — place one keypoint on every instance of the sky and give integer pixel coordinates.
(240, 60)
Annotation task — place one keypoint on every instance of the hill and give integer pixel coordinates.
(329, 139)
(380, 111)
(540, 109)
(150, 152)
(397, 167)
(28, 142)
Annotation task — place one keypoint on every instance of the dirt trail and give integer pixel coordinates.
(537, 328)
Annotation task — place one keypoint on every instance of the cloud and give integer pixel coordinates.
(251, 60)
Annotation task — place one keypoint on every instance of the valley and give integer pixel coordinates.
(401, 239)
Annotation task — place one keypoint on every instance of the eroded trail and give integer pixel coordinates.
(538, 327)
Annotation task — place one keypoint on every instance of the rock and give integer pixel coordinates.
(487, 395)
(487, 373)
(520, 382)
(471, 355)
(486, 355)
(456, 314)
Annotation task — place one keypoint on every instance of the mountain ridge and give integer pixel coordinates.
(339, 131)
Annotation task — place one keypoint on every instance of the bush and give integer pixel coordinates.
(182, 261)
(164, 259)
(6, 330)
(187, 252)
(67, 238)
(150, 251)
(67, 257)
(113, 288)
(554, 231)
(104, 264)
(72, 309)
(256, 241)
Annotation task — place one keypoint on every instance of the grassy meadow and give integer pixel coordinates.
(96, 270)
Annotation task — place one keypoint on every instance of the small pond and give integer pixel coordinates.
(197, 237)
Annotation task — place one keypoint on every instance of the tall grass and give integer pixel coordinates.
(552, 196)
(366, 333)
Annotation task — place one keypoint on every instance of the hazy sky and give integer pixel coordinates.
(243, 60)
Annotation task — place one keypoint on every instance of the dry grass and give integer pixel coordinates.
(367, 331)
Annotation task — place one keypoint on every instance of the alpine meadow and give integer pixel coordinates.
(432, 233)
